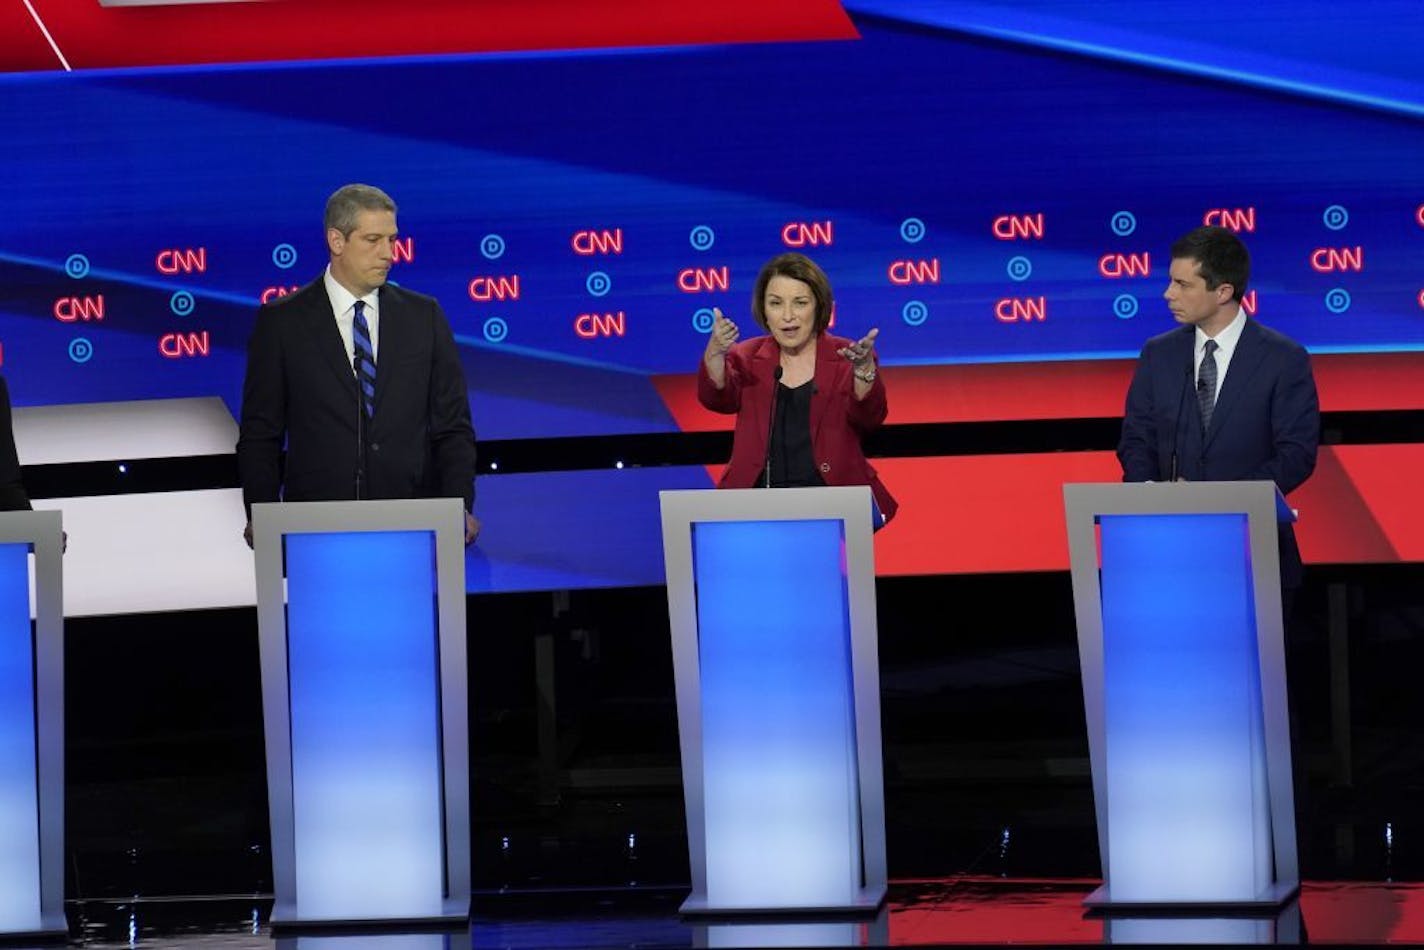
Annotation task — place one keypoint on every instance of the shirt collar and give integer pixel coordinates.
(342, 300)
(1226, 339)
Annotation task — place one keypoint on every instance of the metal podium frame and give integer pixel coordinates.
(851, 506)
(444, 519)
(1263, 507)
(42, 531)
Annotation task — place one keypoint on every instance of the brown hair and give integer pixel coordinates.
(797, 267)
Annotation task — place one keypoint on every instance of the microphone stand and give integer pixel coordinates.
(360, 428)
(771, 426)
(1177, 426)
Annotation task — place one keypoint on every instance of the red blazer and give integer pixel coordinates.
(838, 419)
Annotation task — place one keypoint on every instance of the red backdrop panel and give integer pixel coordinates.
(91, 35)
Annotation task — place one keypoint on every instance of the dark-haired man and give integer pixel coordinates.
(1221, 397)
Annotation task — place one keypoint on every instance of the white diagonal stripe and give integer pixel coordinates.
(49, 39)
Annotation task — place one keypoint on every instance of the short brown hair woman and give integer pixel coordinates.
(826, 391)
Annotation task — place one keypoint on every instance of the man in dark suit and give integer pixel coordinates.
(1221, 398)
(12, 491)
(399, 430)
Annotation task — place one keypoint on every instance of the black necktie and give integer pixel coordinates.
(1206, 384)
(365, 358)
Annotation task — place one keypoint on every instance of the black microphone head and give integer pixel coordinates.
(776, 374)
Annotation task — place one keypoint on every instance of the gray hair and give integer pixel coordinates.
(349, 201)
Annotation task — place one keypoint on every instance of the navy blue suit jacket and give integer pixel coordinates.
(1266, 424)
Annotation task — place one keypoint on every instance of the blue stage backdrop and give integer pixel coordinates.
(984, 182)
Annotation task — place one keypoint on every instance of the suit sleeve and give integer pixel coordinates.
(12, 490)
(452, 436)
(728, 399)
(263, 427)
(866, 415)
(1137, 448)
(1295, 424)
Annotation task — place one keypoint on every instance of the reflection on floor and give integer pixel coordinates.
(579, 834)
(947, 912)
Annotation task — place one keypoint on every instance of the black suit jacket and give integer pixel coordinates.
(300, 389)
(1266, 423)
(12, 491)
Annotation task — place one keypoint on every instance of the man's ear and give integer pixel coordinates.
(335, 240)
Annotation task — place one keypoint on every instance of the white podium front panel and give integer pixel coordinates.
(361, 618)
(1176, 588)
(771, 596)
(31, 727)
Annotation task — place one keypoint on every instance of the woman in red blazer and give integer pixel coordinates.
(813, 394)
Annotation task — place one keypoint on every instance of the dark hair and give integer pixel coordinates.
(1221, 258)
(797, 267)
(343, 207)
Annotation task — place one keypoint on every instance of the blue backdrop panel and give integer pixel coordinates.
(577, 254)
(778, 733)
(19, 795)
(1188, 811)
(365, 724)
(555, 530)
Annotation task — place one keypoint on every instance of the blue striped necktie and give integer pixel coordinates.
(364, 358)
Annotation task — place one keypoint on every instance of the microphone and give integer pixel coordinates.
(360, 427)
(771, 425)
(1177, 425)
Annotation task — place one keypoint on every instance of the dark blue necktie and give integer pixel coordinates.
(364, 358)
(1206, 384)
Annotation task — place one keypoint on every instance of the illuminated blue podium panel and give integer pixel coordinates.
(771, 596)
(1178, 599)
(361, 617)
(31, 726)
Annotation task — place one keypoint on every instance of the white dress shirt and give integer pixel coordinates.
(1226, 342)
(343, 305)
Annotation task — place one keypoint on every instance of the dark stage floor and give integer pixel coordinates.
(964, 910)
(579, 836)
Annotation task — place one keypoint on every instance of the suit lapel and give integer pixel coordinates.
(827, 364)
(320, 325)
(764, 362)
(1180, 391)
(392, 342)
(1249, 353)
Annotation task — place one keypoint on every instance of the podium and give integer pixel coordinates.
(361, 623)
(31, 727)
(1176, 587)
(771, 598)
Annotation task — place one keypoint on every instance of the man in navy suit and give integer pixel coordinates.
(1221, 397)
(12, 491)
(411, 436)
